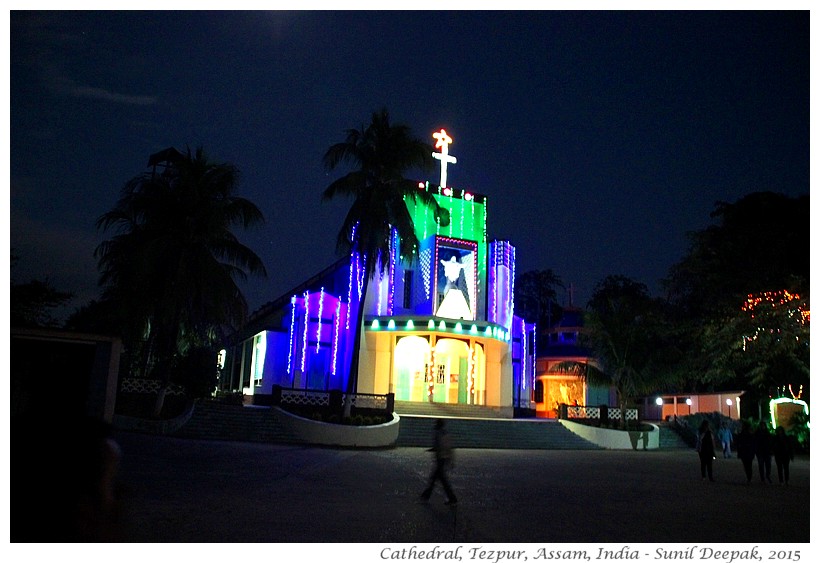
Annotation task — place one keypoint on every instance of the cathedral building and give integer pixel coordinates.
(441, 328)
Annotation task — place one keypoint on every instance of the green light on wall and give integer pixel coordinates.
(410, 325)
(473, 329)
(431, 324)
(442, 326)
(391, 324)
(458, 327)
(374, 325)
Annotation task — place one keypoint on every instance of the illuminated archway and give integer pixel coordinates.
(410, 366)
(451, 376)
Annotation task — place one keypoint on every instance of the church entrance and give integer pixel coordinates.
(451, 372)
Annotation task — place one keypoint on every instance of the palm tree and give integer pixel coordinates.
(629, 339)
(174, 263)
(381, 154)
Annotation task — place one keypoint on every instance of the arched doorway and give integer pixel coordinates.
(410, 366)
(451, 382)
(457, 375)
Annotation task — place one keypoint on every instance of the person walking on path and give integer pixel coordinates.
(706, 450)
(783, 454)
(763, 451)
(443, 450)
(746, 449)
(725, 437)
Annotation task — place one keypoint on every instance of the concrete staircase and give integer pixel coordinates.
(671, 440)
(217, 421)
(467, 426)
(451, 411)
(524, 434)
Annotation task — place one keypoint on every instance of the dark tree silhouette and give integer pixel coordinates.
(174, 262)
(381, 155)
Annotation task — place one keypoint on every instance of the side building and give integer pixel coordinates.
(441, 328)
(554, 386)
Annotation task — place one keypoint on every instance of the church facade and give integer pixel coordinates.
(440, 328)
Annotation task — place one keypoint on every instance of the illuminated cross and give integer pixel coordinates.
(443, 142)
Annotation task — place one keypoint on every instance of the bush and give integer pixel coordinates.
(197, 372)
(687, 426)
(800, 431)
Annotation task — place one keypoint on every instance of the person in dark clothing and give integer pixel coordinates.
(443, 450)
(746, 449)
(783, 454)
(763, 451)
(65, 479)
(706, 450)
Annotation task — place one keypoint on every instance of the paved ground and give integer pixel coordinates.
(177, 490)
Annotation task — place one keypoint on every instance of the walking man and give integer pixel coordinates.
(725, 437)
(443, 450)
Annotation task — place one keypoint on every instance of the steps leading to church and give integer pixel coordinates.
(671, 440)
(524, 434)
(450, 410)
(217, 421)
(476, 427)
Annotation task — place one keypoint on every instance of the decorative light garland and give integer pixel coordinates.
(305, 334)
(432, 370)
(471, 372)
(424, 263)
(534, 353)
(290, 343)
(772, 300)
(319, 321)
(394, 248)
(361, 273)
(524, 370)
(461, 220)
(379, 291)
(512, 287)
(336, 336)
(484, 208)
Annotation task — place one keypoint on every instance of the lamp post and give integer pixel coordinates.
(729, 407)
(659, 402)
(689, 404)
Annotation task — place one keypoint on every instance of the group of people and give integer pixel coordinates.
(759, 444)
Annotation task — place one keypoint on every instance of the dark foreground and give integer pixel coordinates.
(176, 490)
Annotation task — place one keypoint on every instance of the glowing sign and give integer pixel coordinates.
(442, 142)
(782, 409)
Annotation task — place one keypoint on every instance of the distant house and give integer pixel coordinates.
(664, 406)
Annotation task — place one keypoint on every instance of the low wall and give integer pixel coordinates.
(326, 434)
(617, 439)
(168, 426)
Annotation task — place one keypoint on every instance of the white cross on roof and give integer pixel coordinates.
(443, 141)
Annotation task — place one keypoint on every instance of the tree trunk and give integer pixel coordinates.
(160, 402)
(622, 405)
(353, 375)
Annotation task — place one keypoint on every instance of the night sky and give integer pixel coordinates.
(600, 138)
